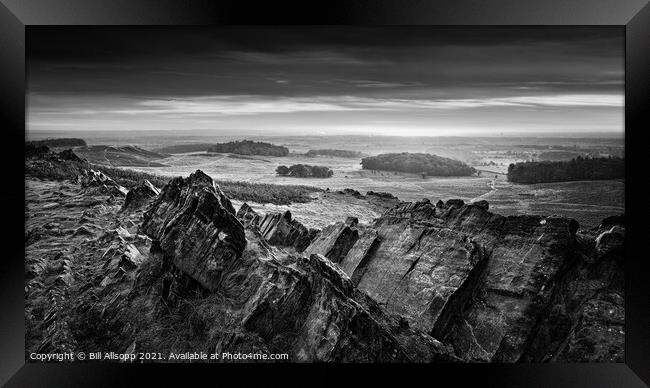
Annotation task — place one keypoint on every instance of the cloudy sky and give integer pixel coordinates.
(336, 80)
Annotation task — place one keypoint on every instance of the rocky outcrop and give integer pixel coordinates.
(140, 196)
(275, 302)
(584, 320)
(336, 240)
(482, 203)
(308, 308)
(481, 282)
(248, 216)
(100, 182)
(278, 229)
(194, 225)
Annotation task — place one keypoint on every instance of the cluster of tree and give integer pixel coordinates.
(248, 147)
(337, 153)
(305, 171)
(577, 169)
(425, 164)
(62, 142)
(557, 155)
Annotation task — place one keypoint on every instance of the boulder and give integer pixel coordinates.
(194, 225)
(140, 196)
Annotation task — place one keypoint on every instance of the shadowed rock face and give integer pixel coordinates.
(140, 196)
(308, 308)
(195, 226)
(481, 282)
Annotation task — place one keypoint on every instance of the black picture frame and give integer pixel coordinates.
(18, 15)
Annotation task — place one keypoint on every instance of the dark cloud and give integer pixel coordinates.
(377, 66)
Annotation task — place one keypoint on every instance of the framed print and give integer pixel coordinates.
(377, 188)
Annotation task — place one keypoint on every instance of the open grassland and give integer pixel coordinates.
(586, 201)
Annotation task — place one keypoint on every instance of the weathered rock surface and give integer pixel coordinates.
(479, 281)
(98, 181)
(248, 216)
(278, 229)
(140, 196)
(276, 302)
(195, 225)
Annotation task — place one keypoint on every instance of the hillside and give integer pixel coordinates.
(60, 142)
(184, 148)
(121, 156)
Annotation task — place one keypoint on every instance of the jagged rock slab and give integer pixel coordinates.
(99, 181)
(278, 229)
(195, 226)
(248, 216)
(140, 196)
(275, 302)
(308, 308)
(477, 280)
(412, 269)
(585, 318)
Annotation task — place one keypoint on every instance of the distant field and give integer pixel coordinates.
(587, 202)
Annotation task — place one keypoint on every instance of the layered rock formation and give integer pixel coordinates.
(140, 196)
(194, 224)
(304, 306)
(99, 182)
(278, 229)
(479, 281)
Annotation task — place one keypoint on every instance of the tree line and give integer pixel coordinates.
(248, 147)
(577, 169)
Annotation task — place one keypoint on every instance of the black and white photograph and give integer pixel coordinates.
(325, 194)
